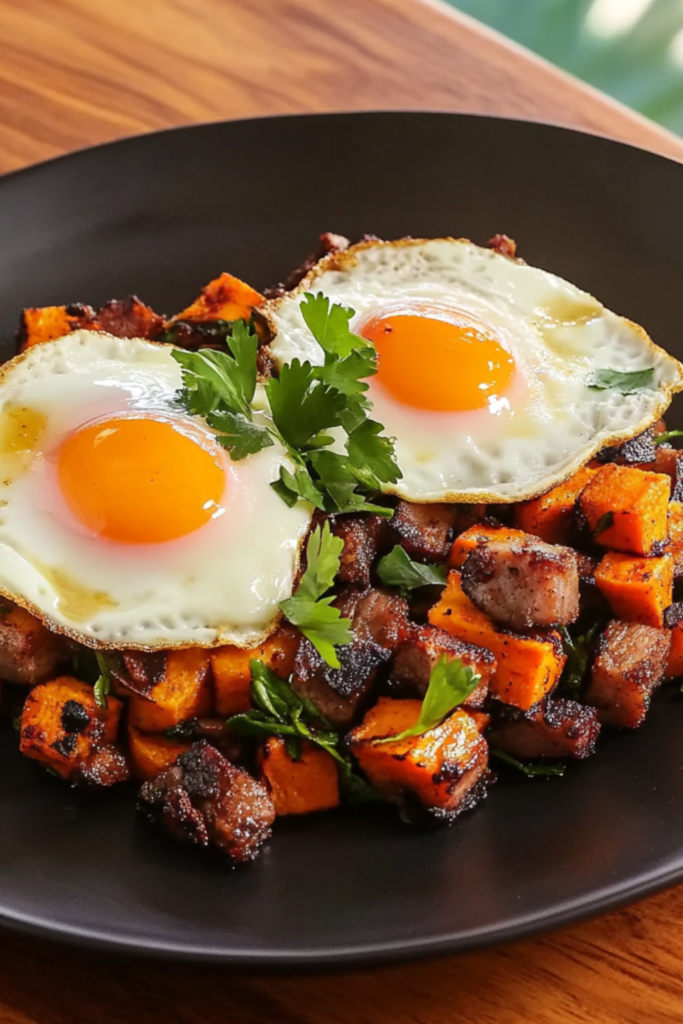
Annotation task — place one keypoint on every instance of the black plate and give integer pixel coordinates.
(159, 216)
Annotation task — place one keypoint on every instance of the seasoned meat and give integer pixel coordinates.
(417, 655)
(129, 318)
(361, 534)
(29, 652)
(629, 665)
(338, 693)
(106, 766)
(637, 449)
(376, 614)
(670, 461)
(206, 800)
(523, 584)
(552, 728)
(144, 669)
(327, 243)
(425, 531)
(504, 245)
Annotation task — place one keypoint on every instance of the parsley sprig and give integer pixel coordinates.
(625, 381)
(665, 437)
(309, 608)
(450, 683)
(397, 569)
(102, 684)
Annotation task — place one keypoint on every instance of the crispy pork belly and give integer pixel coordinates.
(552, 728)
(376, 614)
(29, 652)
(637, 449)
(206, 800)
(522, 584)
(129, 318)
(361, 535)
(630, 663)
(417, 655)
(425, 531)
(338, 693)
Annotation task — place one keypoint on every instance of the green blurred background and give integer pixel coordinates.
(632, 49)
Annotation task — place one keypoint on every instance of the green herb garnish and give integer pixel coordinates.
(627, 382)
(530, 770)
(450, 683)
(578, 650)
(604, 523)
(397, 569)
(102, 685)
(309, 609)
(667, 435)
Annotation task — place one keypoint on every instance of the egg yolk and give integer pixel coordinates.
(440, 360)
(140, 480)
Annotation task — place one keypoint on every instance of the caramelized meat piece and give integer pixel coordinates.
(145, 668)
(670, 461)
(523, 583)
(206, 800)
(417, 655)
(29, 652)
(361, 534)
(425, 531)
(129, 318)
(553, 728)
(638, 449)
(338, 693)
(106, 766)
(327, 243)
(376, 614)
(629, 665)
(504, 245)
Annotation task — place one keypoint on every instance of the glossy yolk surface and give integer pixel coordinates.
(441, 360)
(140, 481)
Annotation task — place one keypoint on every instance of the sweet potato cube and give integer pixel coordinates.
(675, 546)
(463, 545)
(527, 666)
(152, 753)
(441, 768)
(626, 508)
(630, 663)
(62, 726)
(232, 675)
(224, 298)
(638, 589)
(47, 323)
(29, 652)
(551, 516)
(184, 692)
(299, 787)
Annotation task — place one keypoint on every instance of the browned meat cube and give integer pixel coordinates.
(523, 583)
(417, 655)
(338, 693)
(206, 800)
(636, 450)
(106, 766)
(552, 728)
(629, 664)
(328, 243)
(360, 534)
(29, 652)
(376, 614)
(129, 318)
(670, 461)
(425, 531)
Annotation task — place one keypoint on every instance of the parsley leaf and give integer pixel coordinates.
(329, 325)
(450, 683)
(238, 435)
(309, 609)
(372, 455)
(627, 382)
(578, 650)
(530, 770)
(667, 435)
(103, 682)
(301, 405)
(398, 570)
(604, 523)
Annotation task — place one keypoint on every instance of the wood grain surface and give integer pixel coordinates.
(78, 72)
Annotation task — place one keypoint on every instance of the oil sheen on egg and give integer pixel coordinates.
(122, 521)
(484, 365)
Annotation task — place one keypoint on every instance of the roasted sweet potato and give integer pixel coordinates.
(183, 693)
(552, 728)
(527, 666)
(626, 509)
(47, 323)
(232, 675)
(444, 769)
(299, 787)
(465, 544)
(29, 652)
(630, 663)
(551, 517)
(152, 753)
(638, 589)
(421, 650)
(224, 298)
(63, 727)
(675, 546)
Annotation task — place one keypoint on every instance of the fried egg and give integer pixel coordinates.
(123, 522)
(484, 365)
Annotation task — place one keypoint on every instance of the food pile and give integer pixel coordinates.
(225, 579)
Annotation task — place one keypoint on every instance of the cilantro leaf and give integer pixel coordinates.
(292, 486)
(372, 455)
(308, 609)
(604, 523)
(667, 435)
(450, 683)
(103, 684)
(329, 325)
(211, 378)
(530, 770)
(627, 382)
(398, 570)
(238, 435)
(578, 650)
(301, 405)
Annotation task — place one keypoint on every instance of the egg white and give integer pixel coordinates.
(222, 583)
(547, 424)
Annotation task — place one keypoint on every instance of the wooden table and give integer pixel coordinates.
(77, 72)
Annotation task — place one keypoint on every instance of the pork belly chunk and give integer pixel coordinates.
(523, 584)
(629, 665)
(338, 693)
(376, 614)
(552, 728)
(29, 652)
(425, 531)
(206, 800)
(417, 655)
(361, 534)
